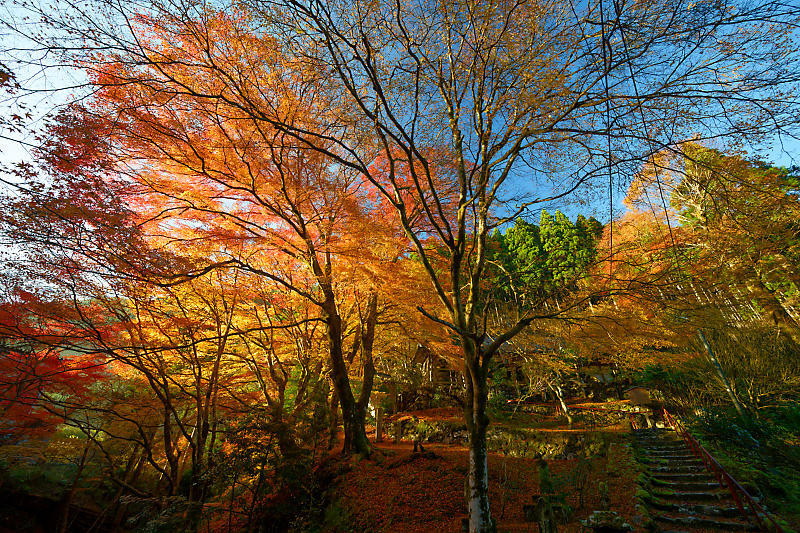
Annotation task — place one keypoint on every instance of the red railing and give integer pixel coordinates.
(738, 492)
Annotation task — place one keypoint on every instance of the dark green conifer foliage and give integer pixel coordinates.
(568, 252)
(595, 228)
(531, 261)
(527, 254)
(589, 232)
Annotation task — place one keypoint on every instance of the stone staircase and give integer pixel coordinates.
(682, 494)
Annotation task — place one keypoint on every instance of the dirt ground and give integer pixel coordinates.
(397, 491)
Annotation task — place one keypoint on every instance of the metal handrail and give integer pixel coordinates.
(723, 477)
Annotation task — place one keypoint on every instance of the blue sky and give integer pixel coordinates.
(783, 151)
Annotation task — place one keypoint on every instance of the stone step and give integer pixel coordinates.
(696, 521)
(683, 495)
(689, 461)
(686, 485)
(660, 441)
(658, 437)
(670, 450)
(683, 476)
(666, 449)
(676, 469)
(665, 440)
(661, 444)
(679, 454)
(708, 511)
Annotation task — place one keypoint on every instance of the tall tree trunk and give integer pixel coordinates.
(334, 425)
(172, 454)
(292, 457)
(355, 433)
(367, 342)
(560, 397)
(251, 524)
(480, 517)
(206, 417)
(133, 471)
(712, 358)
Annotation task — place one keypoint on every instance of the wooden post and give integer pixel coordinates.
(377, 404)
(393, 394)
(378, 424)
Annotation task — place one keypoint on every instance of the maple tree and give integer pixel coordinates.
(500, 82)
(737, 228)
(237, 185)
(689, 269)
(177, 372)
(187, 343)
(35, 370)
(266, 124)
(166, 344)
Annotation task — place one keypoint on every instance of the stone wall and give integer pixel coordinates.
(527, 443)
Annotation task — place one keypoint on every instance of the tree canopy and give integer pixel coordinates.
(228, 176)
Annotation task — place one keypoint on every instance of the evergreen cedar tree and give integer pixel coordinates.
(533, 261)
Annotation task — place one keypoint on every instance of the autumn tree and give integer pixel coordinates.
(503, 82)
(243, 187)
(737, 229)
(459, 100)
(98, 290)
(178, 359)
(34, 371)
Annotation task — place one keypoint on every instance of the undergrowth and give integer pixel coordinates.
(761, 453)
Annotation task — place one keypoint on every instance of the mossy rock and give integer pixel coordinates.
(606, 521)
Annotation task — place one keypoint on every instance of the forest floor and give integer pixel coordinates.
(418, 492)
(397, 490)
